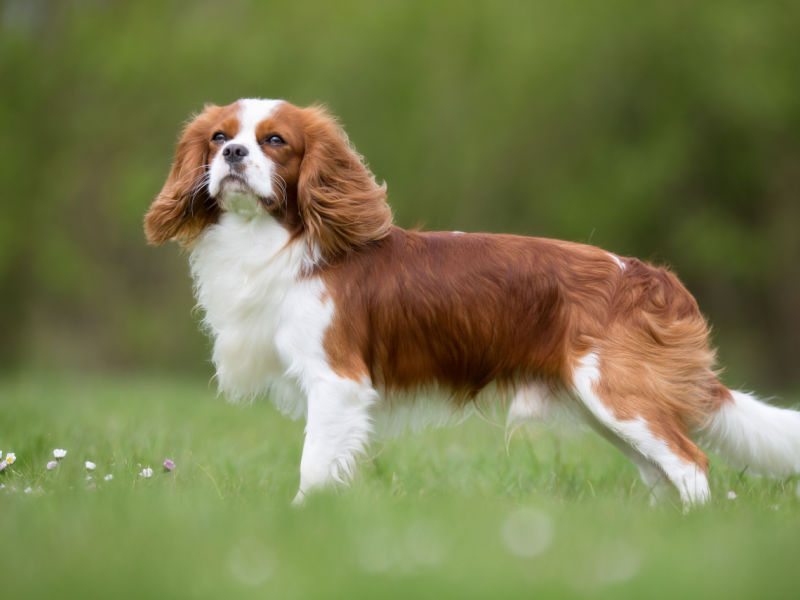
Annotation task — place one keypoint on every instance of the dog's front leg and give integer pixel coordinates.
(337, 431)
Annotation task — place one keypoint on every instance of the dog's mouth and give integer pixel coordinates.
(236, 195)
(234, 184)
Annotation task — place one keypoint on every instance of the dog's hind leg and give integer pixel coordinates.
(658, 447)
(532, 401)
(653, 477)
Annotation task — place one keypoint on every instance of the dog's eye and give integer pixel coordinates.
(219, 137)
(273, 140)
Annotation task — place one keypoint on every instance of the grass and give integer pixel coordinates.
(445, 513)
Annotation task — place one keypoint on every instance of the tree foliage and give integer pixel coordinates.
(670, 131)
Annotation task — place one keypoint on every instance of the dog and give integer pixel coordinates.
(315, 298)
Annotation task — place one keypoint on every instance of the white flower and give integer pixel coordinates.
(11, 458)
(59, 453)
(90, 466)
(731, 495)
(146, 472)
(52, 465)
(28, 490)
(108, 477)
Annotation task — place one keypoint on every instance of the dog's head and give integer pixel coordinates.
(263, 158)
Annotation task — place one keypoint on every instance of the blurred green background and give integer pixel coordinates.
(667, 130)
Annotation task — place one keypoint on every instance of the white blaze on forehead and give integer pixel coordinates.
(256, 169)
(251, 112)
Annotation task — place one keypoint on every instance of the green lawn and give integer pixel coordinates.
(444, 513)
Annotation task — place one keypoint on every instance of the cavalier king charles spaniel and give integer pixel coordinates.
(314, 298)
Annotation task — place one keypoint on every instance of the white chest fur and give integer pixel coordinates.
(267, 321)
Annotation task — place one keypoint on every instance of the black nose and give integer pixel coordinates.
(234, 153)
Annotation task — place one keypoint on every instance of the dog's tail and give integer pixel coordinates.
(754, 436)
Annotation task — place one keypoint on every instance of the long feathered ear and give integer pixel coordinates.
(183, 207)
(340, 204)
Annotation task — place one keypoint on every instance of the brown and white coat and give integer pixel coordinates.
(314, 297)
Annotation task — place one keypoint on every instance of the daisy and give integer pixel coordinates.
(52, 465)
(10, 459)
(146, 472)
(59, 453)
(90, 466)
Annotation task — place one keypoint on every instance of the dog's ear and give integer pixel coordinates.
(183, 207)
(340, 204)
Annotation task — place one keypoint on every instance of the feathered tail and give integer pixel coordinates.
(750, 434)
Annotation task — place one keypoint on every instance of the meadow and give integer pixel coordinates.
(454, 512)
